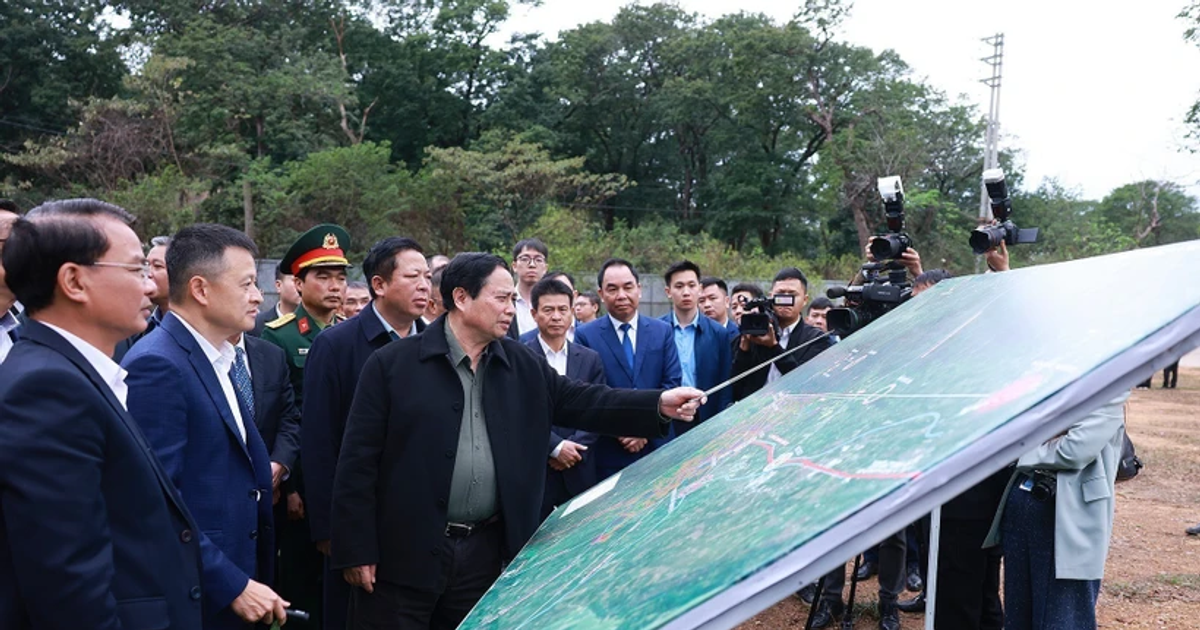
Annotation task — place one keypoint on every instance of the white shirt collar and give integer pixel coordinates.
(109, 371)
(548, 350)
(633, 323)
(221, 358)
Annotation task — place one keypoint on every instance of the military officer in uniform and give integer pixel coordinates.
(317, 260)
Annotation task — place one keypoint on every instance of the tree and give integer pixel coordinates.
(1151, 213)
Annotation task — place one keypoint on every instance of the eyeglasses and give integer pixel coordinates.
(531, 261)
(143, 267)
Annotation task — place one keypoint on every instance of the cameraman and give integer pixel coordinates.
(788, 331)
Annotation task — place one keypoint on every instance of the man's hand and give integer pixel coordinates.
(633, 444)
(295, 507)
(767, 341)
(323, 547)
(258, 603)
(569, 454)
(362, 577)
(681, 403)
(277, 471)
(911, 261)
(997, 257)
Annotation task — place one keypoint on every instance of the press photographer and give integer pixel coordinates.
(783, 330)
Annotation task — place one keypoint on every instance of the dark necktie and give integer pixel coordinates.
(627, 344)
(243, 386)
(393, 335)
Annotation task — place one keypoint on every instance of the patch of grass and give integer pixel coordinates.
(1181, 580)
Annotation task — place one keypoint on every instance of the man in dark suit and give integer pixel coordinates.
(192, 393)
(714, 303)
(398, 278)
(638, 353)
(467, 412)
(289, 300)
(157, 257)
(752, 351)
(704, 346)
(275, 412)
(571, 469)
(92, 532)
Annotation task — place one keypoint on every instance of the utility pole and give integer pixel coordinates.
(991, 149)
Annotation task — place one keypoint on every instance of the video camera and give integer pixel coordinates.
(885, 284)
(1003, 230)
(763, 319)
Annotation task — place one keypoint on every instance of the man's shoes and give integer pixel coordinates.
(889, 616)
(914, 583)
(914, 605)
(808, 593)
(827, 613)
(1193, 531)
(866, 570)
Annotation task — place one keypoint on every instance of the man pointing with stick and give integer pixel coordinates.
(442, 467)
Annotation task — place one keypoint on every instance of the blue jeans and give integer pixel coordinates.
(1033, 598)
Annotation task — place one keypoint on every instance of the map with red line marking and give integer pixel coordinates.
(879, 409)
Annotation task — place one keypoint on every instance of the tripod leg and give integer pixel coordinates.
(812, 608)
(848, 615)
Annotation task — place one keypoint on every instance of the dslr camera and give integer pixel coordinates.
(763, 319)
(885, 283)
(1003, 230)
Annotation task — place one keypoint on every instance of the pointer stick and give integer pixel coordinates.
(756, 368)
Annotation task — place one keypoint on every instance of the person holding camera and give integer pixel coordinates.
(789, 293)
(1055, 522)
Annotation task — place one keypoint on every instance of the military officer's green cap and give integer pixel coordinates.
(322, 246)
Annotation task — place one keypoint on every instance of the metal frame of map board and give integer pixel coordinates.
(946, 480)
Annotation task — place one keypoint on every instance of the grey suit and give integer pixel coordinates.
(1085, 460)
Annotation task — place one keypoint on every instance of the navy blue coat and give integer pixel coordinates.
(92, 532)
(714, 361)
(583, 365)
(656, 366)
(331, 371)
(178, 401)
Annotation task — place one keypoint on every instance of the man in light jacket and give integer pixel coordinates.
(1055, 523)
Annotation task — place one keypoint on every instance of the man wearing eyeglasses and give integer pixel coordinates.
(529, 265)
(156, 259)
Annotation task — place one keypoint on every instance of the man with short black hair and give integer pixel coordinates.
(529, 263)
(638, 353)
(792, 332)
(357, 296)
(714, 303)
(399, 286)
(190, 391)
(94, 534)
(703, 345)
(568, 281)
(818, 312)
(289, 299)
(571, 469)
(422, 554)
(157, 257)
(587, 307)
(742, 293)
(434, 308)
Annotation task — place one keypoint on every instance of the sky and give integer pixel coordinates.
(1093, 94)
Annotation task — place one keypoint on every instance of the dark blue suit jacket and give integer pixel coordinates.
(331, 371)
(175, 395)
(92, 532)
(656, 366)
(714, 362)
(584, 365)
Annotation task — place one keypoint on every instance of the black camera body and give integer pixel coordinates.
(1044, 486)
(885, 284)
(986, 237)
(763, 320)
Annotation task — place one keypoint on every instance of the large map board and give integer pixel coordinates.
(843, 451)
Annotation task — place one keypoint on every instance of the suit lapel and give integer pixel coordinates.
(52, 340)
(573, 362)
(609, 334)
(208, 376)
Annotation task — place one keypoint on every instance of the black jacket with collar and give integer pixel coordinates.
(392, 486)
(742, 361)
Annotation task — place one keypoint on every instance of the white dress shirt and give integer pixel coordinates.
(221, 360)
(773, 373)
(525, 320)
(8, 323)
(112, 374)
(633, 325)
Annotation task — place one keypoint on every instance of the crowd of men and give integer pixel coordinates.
(372, 453)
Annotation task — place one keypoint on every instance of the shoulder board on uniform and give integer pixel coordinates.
(277, 323)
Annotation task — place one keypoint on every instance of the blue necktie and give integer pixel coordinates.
(393, 336)
(627, 344)
(242, 386)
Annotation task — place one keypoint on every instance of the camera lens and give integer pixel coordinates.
(887, 247)
(986, 237)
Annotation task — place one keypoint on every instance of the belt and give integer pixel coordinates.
(463, 530)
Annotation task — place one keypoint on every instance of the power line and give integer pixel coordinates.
(13, 123)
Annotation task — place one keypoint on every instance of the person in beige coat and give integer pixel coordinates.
(1055, 523)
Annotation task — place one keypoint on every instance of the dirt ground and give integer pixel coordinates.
(1152, 579)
